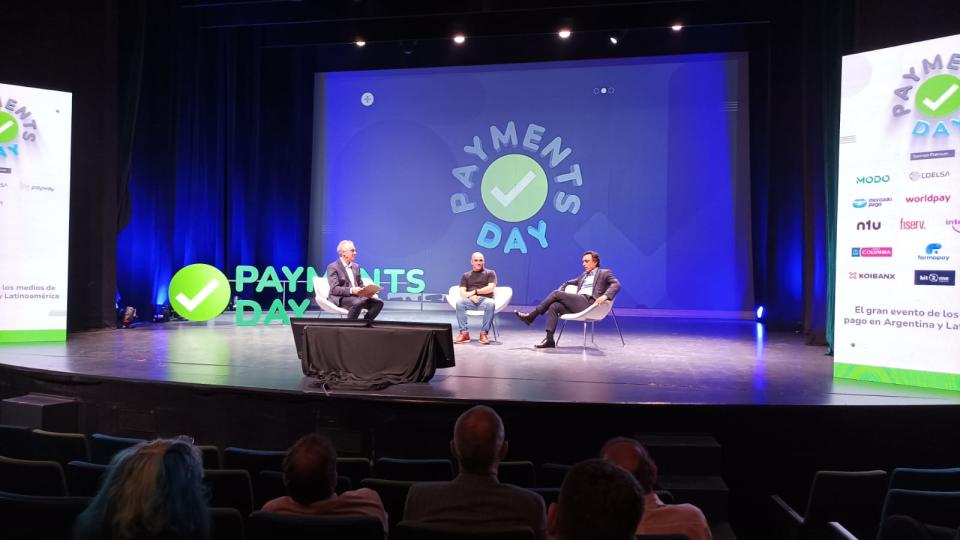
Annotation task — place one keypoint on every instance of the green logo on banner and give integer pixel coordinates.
(939, 96)
(514, 188)
(199, 292)
(9, 128)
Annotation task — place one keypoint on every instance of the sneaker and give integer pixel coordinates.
(464, 337)
(483, 339)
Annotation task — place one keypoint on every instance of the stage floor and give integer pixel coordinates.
(665, 361)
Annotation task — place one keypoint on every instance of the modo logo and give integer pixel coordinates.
(877, 179)
(516, 186)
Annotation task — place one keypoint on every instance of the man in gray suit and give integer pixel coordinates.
(595, 286)
(343, 275)
(476, 500)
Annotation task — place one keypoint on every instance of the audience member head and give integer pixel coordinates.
(310, 469)
(632, 456)
(478, 440)
(598, 501)
(153, 490)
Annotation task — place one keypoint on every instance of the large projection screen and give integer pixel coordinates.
(898, 218)
(34, 213)
(645, 160)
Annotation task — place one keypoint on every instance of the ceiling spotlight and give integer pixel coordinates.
(677, 27)
(564, 33)
(614, 40)
(360, 43)
(459, 39)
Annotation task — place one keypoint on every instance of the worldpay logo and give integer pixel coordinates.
(872, 252)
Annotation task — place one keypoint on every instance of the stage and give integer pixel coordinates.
(664, 361)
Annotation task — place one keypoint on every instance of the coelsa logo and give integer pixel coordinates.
(16, 124)
(515, 186)
(918, 175)
(937, 96)
(872, 252)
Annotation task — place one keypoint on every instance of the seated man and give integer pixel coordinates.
(595, 286)
(310, 475)
(598, 501)
(344, 277)
(658, 518)
(476, 500)
(476, 292)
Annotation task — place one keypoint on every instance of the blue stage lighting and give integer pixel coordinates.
(760, 310)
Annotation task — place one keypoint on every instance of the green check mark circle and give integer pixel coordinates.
(9, 128)
(514, 187)
(939, 96)
(199, 292)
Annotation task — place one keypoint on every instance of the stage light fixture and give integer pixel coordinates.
(614, 40)
(459, 39)
(760, 310)
(360, 43)
(564, 33)
(677, 27)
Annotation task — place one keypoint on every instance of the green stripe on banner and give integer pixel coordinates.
(25, 336)
(910, 377)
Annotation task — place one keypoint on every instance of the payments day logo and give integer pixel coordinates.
(199, 292)
(931, 96)
(515, 186)
(17, 125)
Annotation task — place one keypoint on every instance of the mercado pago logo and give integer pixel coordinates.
(511, 178)
(200, 292)
(18, 126)
(930, 93)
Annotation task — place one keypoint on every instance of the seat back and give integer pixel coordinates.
(30, 517)
(926, 479)
(16, 441)
(211, 456)
(230, 488)
(84, 479)
(415, 470)
(393, 493)
(226, 524)
(940, 508)
(269, 485)
(407, 530)
(501, 297)
(593, 313)
(28, 477)
(321, 290)
(253, 461)
(60, 447)
(548, 494)
(852, 498)
(276, 526)
(355, 468)
(551, 475)
(104, 447)
(518, 473)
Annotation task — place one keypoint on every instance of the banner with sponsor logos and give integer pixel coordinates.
(898, 218)
(34, 213)
(645, 160)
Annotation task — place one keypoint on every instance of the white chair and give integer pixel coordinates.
(590, 315)
(321, 288)
(501, 299)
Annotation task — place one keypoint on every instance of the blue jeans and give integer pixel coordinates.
(486, 305)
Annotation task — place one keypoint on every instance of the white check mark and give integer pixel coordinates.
(507, 198)
(934, 105)
(6, 126)
(192, 303)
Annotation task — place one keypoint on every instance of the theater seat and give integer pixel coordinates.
(406, 530)
(393, 494)
(276, 526)
(83, 479)
(104, 447)
(253, 461)
(60, 447)
(29, 477)
(26, 517)
(230, 489)
(414, 470)
(226, 524)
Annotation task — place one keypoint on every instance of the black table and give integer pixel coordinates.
(377, 354)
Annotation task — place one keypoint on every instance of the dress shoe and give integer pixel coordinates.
(527, 318)
(464, 337)
(483, 339)
(547, 343)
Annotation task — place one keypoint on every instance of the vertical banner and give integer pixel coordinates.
(34, 213)
(898, 221)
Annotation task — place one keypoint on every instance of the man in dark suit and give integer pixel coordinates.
(476, 500)
(344, 277)
(595, 286)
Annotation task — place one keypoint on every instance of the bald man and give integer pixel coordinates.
(476, 293)
(476, 500)
(658, 518)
